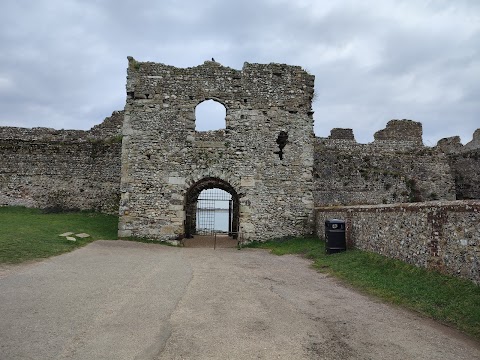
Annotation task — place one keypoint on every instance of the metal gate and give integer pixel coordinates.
(214, 212)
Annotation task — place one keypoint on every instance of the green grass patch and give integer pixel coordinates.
(444, 298)
(28, 234)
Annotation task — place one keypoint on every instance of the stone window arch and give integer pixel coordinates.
(210, 115)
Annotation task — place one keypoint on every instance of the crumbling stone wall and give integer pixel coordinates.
(464, 161)
(163, 156)
(395, 168)
(267, 156)
(436, 235)
(62, 169)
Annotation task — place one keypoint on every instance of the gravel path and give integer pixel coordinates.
(127, 300)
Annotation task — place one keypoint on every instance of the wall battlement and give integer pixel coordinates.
(464, 161)
(452, 145)
(259, 86)
(110, 127)
(398, 135)
(395, 167)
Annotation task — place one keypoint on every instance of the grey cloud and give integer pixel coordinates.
(64, 62)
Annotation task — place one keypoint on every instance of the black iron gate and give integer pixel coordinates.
(212, 206)
(214, 212)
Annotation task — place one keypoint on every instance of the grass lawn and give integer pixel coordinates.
(28, 234)
(444, 298)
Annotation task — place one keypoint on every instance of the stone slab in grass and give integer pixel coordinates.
(66, 234)
(82, 235)
(71, 238)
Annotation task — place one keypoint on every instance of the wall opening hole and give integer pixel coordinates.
(282, 141)
(212, 207)
(210, 115)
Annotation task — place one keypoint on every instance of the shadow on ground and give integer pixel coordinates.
(210, 241)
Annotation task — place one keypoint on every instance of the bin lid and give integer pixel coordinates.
(334, 221)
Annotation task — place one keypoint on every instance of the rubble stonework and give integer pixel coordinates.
(164, 158)
(464, 161)
(62, 169)
(395, 168)
(444, 236)
(267, 157)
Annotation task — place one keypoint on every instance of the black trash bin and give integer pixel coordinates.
(335, 236)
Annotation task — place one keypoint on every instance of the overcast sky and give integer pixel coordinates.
(63, 62)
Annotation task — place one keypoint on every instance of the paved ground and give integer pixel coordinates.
(210, 241)
(125, 300)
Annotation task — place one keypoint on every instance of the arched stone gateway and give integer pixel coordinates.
(263, 156)
(191, 206)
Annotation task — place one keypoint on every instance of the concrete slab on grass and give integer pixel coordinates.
(66, 234)
(82, 235)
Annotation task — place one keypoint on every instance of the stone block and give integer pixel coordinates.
(176, 180)
(247, 181)
(82, 235)
(175, 207)
(66, 234)
(167, 230)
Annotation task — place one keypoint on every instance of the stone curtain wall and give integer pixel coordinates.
(62, 169)
(395, 168)
(163, 155)
(444, 236)
(466, 169)
(267, 154)
(465, 163)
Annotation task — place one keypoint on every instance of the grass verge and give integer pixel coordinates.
(447, 299)
(28, 234)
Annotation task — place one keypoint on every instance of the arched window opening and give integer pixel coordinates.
(210, 115)
(214, 212)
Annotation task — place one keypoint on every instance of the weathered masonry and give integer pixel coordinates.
(395, 168)
(263, 157)
(440, 235)
(150, 164)
(61, 170)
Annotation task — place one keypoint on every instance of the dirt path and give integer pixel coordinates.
(122, 300)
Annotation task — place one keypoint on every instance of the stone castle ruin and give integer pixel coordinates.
(149, 164)
(166, 162)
